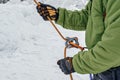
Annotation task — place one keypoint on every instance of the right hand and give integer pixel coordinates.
(65, 65)
(47, 11)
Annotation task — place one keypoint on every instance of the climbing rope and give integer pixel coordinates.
(70, 42)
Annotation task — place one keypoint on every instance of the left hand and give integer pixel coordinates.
(66, 65)
(46, 11)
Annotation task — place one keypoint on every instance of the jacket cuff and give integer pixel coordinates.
(76, 64)
(60, 19)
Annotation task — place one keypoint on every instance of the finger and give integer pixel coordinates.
(58, 62)
(52, 14)
(53, 18)
(66, 73)
(49, 10)
(63, 67)
(45, 18)
(38, 6)
(49, 7)
(41, 13)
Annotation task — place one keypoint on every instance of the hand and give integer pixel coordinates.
(47, 11)
(66, 65)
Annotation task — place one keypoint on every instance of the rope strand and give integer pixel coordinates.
(56, 29)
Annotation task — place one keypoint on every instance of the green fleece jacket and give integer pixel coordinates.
(101, 21)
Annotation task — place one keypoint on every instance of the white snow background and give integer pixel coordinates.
(30, 46)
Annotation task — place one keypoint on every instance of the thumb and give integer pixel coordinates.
(58, 62)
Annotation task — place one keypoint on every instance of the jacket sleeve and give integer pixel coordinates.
(106, 53)
(75, 20)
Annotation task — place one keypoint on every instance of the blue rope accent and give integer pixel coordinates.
(91, 77)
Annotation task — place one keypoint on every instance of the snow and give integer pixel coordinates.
(29, 46)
